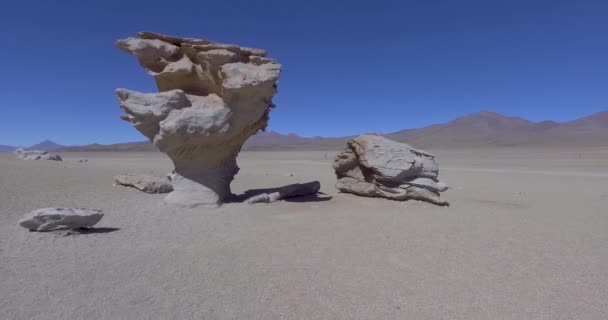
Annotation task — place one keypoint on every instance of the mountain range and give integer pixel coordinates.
(482, 129)
(46, 145)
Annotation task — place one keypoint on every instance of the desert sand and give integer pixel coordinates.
(525, 237)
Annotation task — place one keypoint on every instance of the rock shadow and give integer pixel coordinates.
(240, 198)
(95, 230)
(73, 232)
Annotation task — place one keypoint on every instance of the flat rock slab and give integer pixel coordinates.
(290, 191)
(144, 182)
(36, 155)
(48, 219)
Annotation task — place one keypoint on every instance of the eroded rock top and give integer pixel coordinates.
(212, 95)
(200, 66)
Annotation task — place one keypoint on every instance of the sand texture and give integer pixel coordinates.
(525, 237)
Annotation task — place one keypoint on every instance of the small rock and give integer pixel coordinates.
(83, 160)
(144, 182)
(47, 219)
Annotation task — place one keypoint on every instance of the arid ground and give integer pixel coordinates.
(525, 237)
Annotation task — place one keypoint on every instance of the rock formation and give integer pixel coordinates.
(36, 155)
(47, 219)
(289, 191)
(213, 97)
(144, 182)
(374, 166)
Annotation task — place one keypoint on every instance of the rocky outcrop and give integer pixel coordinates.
(36, 155)
(213, 97)
(144, 182)
(47, 219)
(374, 166)
(289, 191)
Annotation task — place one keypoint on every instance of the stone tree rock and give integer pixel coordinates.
(213, 97)
(36, 155)
(47, 219)
(374, 166)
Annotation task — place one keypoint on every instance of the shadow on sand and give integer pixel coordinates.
(74, 232)
(95, 230)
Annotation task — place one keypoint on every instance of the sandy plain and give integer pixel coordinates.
(525, 237)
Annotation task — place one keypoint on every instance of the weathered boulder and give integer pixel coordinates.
(374, 166)
(289, 191)
(144, 182)
(36, 155)
(213, 98)
(47, 219)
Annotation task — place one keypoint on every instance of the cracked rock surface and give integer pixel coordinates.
(374, 166)
(212, 98)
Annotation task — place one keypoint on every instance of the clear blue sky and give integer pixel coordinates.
(348, 66)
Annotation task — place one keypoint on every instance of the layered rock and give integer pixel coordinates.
(144, 182)
(36, 155)
(47, 219)
(375, 166)
(213, 98)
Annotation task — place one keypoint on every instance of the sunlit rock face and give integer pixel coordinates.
(212, 98)
(374, 166)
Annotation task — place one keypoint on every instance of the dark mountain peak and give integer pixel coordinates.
(486, 113)
(46, 145)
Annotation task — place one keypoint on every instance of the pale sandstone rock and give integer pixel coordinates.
(213, 98)
(47, 219)
(375, 166)
(36, 155)
(144, 182)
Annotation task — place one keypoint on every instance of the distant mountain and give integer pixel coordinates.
(4, 148)
(276, 141)
(482, 129)
(128, 146)
(46, 145)
(261, 141)
(485, 129)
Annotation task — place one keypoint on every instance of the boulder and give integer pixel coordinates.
(144, 182)
(47, 219)
(212, 98)
(289, 191)
(374, 166)
(36, 155)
